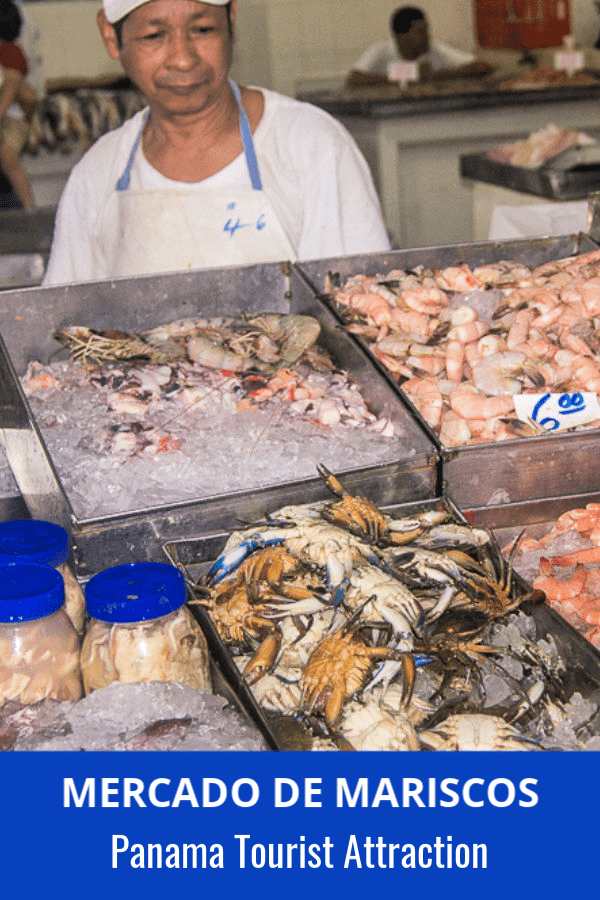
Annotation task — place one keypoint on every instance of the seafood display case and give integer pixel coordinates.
(292, 725)
(405, 464)
(25, 241)
(480, 474)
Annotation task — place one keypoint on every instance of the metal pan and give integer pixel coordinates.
(193, 555)
(575, 183)
(521, 469)
(28, 319)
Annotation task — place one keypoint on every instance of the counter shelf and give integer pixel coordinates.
(28, 318)
(475, 475)
(543, 181)
(194, 555)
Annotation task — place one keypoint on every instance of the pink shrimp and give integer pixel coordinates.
(469, 331)
(588, 609)
(427, 397)
(468, 402)
(430, 365)
(590, 295)
(37, 378)
(455, 358)
(414, 324)
(369, 304)
(519, 330)
(587, 373)
(455, 430)
(574, 343)
(457, 278)
(490, 344)
(428, 300)
(557, 589)
(578, 557)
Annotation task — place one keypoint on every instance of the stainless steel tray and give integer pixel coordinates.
(536, 518)
(509, 471)
(553, 184)
(28, 319)
(194, 554)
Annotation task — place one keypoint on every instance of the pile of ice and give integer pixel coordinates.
(153, 716)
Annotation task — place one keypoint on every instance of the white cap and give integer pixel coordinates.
(117, 9)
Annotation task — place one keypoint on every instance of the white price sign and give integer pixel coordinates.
(403, 71)
(557, 412)
(567, 61)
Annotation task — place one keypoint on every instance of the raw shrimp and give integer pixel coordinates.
(457, 278)
(427, 397)
(428, 300)
(499, 373)
(470, 403)
(455, 358)
(468, 331)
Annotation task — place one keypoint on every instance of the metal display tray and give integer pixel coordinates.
(194, 555)
(509, 471)
(535, 519)
(27, 320)
(553, 184)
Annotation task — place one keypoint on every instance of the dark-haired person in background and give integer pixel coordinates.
(17, 102)
(410, 42)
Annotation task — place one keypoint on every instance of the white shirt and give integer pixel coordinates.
(311, 169)
(439, 56)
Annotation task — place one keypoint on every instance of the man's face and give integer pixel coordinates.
(177, 52)
(415, 41)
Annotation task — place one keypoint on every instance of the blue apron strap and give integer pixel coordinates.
(123, 182)
(247, 141)
(248, 144)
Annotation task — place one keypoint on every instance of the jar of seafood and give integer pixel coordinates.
(140, 629)
(39, 647)
(33, 540)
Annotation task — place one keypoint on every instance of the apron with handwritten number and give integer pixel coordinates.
(151, 231)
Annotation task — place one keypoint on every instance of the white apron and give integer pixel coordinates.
(173, 230)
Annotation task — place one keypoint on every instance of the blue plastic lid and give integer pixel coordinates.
(135, 592)
(33, 540)
(29, 590)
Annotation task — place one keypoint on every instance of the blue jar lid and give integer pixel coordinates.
(135, 592)
(29, 590)
(33, 540)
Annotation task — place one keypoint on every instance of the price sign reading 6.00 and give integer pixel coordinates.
(558, 412)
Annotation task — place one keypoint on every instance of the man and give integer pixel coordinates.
(410, 42)
(208, 175)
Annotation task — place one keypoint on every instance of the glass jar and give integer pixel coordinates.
(141, 630)
(34, 540)
(39, 647)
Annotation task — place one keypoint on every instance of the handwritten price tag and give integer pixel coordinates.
(403, 71)
(557, 412)
(570, 62)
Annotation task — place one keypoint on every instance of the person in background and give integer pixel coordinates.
(410, 42)
(209, 174)
(17, 103)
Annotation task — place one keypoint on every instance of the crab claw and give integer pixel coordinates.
(234, 557)
(264, 658)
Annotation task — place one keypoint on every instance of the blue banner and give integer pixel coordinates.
(150, 825)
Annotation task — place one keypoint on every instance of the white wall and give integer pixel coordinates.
(281, 43)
